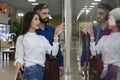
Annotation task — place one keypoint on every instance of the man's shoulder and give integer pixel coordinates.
(96, 28)
(50, 27)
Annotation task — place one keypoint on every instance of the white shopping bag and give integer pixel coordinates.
(16, 74)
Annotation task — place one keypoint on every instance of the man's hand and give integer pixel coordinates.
(61, 68)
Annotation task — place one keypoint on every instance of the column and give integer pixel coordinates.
(68, 28)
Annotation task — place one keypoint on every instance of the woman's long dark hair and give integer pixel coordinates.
(27, 21)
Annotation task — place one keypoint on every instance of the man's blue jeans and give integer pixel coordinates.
(35, 72)
(113, 73)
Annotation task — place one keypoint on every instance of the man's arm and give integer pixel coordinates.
(60, 57)
(83, 55)
(61, 61)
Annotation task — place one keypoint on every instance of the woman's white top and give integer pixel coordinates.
(31, 49)
(109, 47)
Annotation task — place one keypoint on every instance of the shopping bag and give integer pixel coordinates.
(18, 76)
(52, 68)
(96, 67)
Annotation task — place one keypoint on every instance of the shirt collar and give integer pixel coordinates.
(46, 27)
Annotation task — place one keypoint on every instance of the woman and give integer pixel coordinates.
(109, 47)
(31, 48)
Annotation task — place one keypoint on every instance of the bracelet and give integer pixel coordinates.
(92, 38)
(55, 37)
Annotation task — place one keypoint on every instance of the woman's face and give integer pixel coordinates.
(35, 22)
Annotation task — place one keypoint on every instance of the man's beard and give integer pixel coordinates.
(44, 20)
(101, 21)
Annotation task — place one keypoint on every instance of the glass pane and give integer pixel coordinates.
(84, 12)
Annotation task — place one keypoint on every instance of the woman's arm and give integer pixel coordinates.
(59, 29)
(95, 49)
(19, 53)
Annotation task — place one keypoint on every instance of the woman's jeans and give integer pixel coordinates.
(34, 72)
(113, 73)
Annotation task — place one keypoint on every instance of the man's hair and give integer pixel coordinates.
(105, 6)
(40, 6)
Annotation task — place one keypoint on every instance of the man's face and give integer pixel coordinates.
(44, 15)
(101, 15)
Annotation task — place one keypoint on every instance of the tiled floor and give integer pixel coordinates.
(7, 70)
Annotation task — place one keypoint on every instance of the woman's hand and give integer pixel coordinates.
(90, 31)
(86, 28)
(83, 27)
(19, 66)
(59, 29)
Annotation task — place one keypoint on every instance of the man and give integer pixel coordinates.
(48, 31)
(99, 30)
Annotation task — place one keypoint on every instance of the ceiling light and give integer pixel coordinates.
(80, 13)
(84, 8)
(89, 8)
(94, 3)
(31, 0)
(92, 6)
(97, 0)
(87, 11)
(35, 4)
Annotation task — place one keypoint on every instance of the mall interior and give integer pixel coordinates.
(71, 12)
